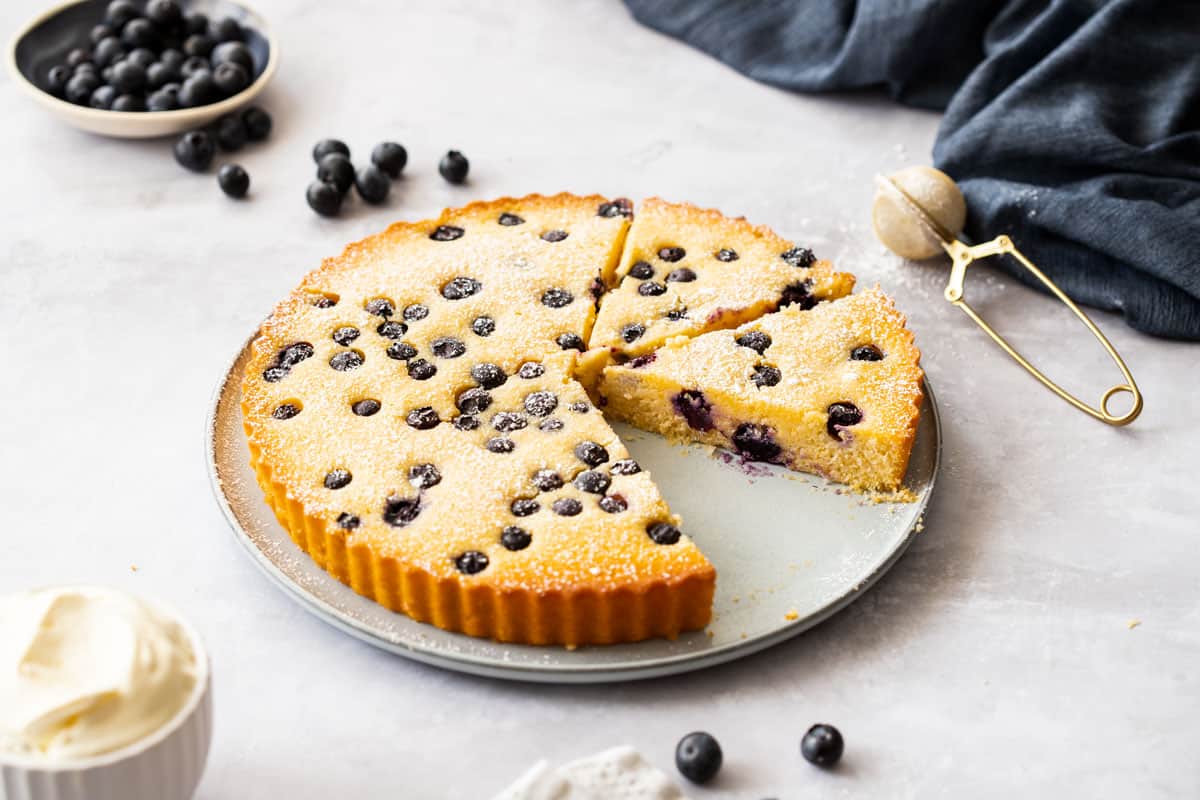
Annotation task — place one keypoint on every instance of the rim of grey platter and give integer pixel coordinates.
(790, 550)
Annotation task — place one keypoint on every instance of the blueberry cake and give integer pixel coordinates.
(688, 270)
(413, 422)
(835, 390)
(421, 410)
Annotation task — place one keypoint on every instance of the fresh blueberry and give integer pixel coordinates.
(324, 198)
(591, 453)
(373, 184)
(80, 87)
(401, 350)
(78, 56)
(755, 340)
(165, 99)
(56, 79)
(108, 51)
(454, 167)
(233, 53)
(423, 418)
(140, 32)
(143, 57)
(337, 478)
(698, 757)
(487, 375)
(389, 157)
(366, 407)
(842, 415)
(128, 77)
(119, 12)
(822, 745)
(172, 57)
(471, 562)
(225, 29)
(103, 97)
(198, 44)
(230, 133)
(866, 352)
(199, 90)
(233, 180)
(195, 150)
(663, 533)
(100, 32)
(327, 146)
(258, 123)
(128, 102)
(230, 78)
(165, 13)
(195, 22)
(335, 168)
(424, 476)
(159, 74)
(514, 538)
(193, 64)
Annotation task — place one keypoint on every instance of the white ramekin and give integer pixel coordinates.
(166, 765)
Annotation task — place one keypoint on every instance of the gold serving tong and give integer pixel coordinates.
(963, 255)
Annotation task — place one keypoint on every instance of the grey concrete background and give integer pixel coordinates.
(996, 660)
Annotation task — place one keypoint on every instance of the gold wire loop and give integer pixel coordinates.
(963, 255)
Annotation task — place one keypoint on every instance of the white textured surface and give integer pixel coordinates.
(995, 660)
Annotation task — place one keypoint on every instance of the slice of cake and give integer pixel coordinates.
(686, 271)
(413, 424)
(835, 390)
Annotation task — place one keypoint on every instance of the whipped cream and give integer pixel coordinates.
(86, 671)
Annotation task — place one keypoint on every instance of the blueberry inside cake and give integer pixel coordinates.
(422, 410)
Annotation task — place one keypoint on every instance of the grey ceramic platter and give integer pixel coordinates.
(790, 551)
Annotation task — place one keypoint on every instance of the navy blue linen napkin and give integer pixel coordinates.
(1071, 125)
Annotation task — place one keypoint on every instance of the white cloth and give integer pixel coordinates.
(617, 774)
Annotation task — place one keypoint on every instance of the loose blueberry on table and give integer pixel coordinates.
(233, 180)
(454, 167)
(698, 757)
(822, 745)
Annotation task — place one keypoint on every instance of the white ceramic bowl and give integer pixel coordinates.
(48, 37)
(166, 765)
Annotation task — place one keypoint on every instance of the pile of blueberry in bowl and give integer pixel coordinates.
(139, 68)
